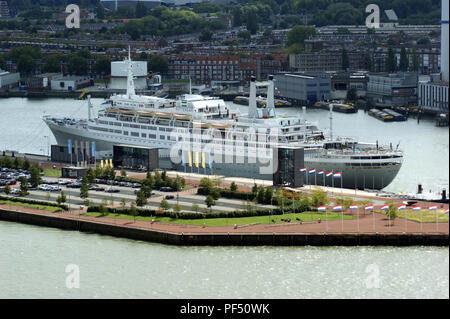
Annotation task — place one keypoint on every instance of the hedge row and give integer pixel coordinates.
(192, 215)
(32, 201)
(226, 193)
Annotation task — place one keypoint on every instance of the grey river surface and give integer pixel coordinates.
(33, 264)
(33, 260)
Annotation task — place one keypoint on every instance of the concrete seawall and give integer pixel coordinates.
(221, 239)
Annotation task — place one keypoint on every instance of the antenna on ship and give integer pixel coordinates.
(331, 121)
(190, 86)
(130, 81)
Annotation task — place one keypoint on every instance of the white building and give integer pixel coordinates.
(433, 96)
(8, 80)
(119, 71)
(69, 83)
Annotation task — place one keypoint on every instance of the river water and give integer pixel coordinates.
(33, 264)
(33, 260)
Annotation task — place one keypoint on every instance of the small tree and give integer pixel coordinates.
(123, 173)
(23, 185)
(123, 203)
(261, 195)
(63, 197)
(141, 199)
(103, 210)
(195, 207)
(205, 186)
(209, 201)
(133, 211)
(7, 189)
(84, 188)
(233, 187)
(254, 188)
(35, 176)
(164, 205)
(177, 208)
(90, 174)
(319, 197)
(215, 193)
(268, 195)
(146, 190)
(47, 196)
(392, 213)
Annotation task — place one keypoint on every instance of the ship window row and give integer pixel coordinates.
(371, 164)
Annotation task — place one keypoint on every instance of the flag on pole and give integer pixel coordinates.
(446, 211)
(69, 145)
(329, 174)
(210, 160)
(93, 149)
(402, 207)
(320, 172)
(190, 158)
(101, 164)
(433, 207)
(110, 163)
(312, 171)
(354, 207)
(337, 175)
(385, 207)
(337, 208)
(370, 207)
(203, 160)
(322, 208)
(417, 209)
(302, 170)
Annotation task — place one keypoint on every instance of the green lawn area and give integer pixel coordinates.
(50, 172)
(42, 207)
(427, 216)
(305, 217)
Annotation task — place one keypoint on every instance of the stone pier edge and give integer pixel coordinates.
(227, 239)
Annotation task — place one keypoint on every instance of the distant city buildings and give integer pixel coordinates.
(4, 10)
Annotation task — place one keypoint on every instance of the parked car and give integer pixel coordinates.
(166, 189)
(112, 190)
(169, 197)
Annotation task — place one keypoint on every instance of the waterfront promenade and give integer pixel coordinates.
(368, 229)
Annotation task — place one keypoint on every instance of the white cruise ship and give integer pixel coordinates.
(202, 134)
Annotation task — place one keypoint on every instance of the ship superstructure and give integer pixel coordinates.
(195, 132)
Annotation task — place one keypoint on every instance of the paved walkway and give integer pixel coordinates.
(368, 223)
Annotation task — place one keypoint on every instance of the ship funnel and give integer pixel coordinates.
(252, 109)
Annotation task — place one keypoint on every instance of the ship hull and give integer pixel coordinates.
(377, 177)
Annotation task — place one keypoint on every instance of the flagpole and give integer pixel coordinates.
(342, 216)
(437, 224)
(357, 212)
(373, 219)
(421, 222)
